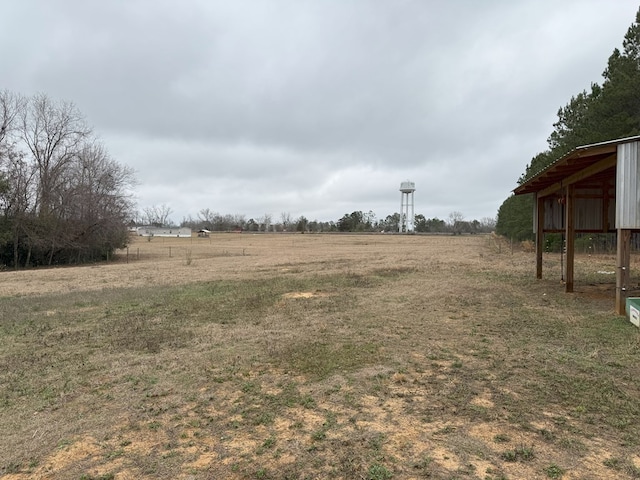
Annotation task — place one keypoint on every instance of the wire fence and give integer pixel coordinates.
(137, 253)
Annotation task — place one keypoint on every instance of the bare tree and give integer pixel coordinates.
(207, 216)
(63, 199)
(10, 107)
(16, 199)
(158, 215)
(265, 222)
(487, 224)
(455, 221)
(285, 218)
(369, 220)
(98, 186)
(455, 217)
(53, 133)
(239, 221)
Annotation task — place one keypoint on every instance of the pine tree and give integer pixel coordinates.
(606, 112)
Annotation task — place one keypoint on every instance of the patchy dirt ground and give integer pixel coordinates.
(423, 413)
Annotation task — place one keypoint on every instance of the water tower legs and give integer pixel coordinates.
(406, 212)
(406, 202)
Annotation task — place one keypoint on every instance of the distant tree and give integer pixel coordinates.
(390, 223)
(265, 222)
(455, 217)
(190, 222)
(369, 221)
(345, 224)
(314, 226)
(238, 221)
(420, 223)
(329, 226)
(220, 223)
(206, 216)
(158, 215)
(431, 225)
(456, 220)
(515, 218)
(252, 225)
(302, 224)
(285, 220)
(436, 225)
(353, 222)
(487, 224)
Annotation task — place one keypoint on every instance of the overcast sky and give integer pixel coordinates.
(315, 107)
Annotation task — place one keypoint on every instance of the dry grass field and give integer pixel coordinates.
(371, 357)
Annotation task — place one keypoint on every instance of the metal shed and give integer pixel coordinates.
(594, 188)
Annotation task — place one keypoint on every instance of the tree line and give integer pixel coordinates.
(63, 199)
(357, 221)
(605, 112)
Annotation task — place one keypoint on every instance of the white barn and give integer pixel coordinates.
(164, 232)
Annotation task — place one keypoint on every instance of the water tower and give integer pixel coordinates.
(406, 200)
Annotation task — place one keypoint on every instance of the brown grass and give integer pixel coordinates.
(317, 356)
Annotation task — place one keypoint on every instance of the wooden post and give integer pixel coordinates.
(570, 235)
(539, 234)
(623, 258)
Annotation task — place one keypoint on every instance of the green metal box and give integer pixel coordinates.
(633, 310)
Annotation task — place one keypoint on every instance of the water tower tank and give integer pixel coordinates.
(407, 187)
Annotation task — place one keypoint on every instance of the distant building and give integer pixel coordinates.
(163, 232)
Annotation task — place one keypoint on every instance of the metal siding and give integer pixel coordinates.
(588, 214)
(627, 200)
(553, 214)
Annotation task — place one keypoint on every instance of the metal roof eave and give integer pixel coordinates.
(570, 163)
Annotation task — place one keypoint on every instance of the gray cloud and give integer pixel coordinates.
(312, 107)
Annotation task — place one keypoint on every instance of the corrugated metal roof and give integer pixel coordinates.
(580, 158)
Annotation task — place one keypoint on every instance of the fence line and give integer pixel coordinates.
(134, 254)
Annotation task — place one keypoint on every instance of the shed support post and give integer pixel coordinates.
(623, 258)
(539, 234)
(570, 234)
